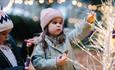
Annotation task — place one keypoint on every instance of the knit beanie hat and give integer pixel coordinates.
(5, 22)
(47, 15)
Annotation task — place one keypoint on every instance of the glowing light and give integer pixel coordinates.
(60, 1)
(41, 1)
(50, 1)
(35, 18)
(92, 7)
(18, 1)
(28, 2)
(79, 4)
(74, 2)
(63, 0)
(25, 2)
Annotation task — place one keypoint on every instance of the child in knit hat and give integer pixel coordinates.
(10, 58)
(54, 46)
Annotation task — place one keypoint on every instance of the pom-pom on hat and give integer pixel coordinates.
(5, 22)
(47, 15)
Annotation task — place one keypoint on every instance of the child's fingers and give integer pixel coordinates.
(62, 59)
(91, 18)
(29, 42)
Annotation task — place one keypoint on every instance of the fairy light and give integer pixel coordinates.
(79, 4)
(94, 7)
(35, 18)
(41, 1)
(90, 7)
(50, 1)
(74, 2)
(25, 2)
(63, 0)
(60, 1)
(18, 1)
(30, 2)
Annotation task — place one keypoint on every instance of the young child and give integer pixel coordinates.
(10, 58)
(54, 46)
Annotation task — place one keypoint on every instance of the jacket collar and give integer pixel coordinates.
(5, 58)
(56, 47)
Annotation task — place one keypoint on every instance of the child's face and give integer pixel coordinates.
(3, 36)
(55, 27)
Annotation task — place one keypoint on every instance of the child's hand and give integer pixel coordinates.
(29, 42)
(91, 17)
(62, 59)
(31, 67)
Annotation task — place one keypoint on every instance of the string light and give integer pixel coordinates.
(28, 2)
(41, 1)
(92, 7)
(60, 1)
(18, 1)
(74, 2)
(50, 1)
(79, 4)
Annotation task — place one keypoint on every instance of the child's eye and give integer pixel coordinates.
(57, 22)
(54, 23)
(60, 22)
(5, 32)
(2, 34)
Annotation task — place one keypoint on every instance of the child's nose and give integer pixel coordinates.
(58, 24)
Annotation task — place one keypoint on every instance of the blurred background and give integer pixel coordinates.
(25, 14)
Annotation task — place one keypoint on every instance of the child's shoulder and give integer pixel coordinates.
(37, 40)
